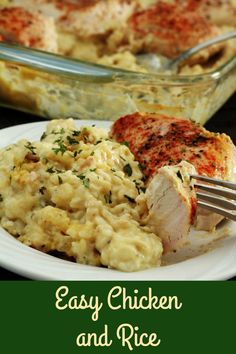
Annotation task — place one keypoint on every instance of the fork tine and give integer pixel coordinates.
(212, 200)
(218, 191)
(225, 213)
(215, 181)
(223, 203)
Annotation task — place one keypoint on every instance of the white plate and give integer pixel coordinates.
(217, 264)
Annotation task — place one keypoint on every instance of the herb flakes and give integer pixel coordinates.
(71, 140)
(128, 170)
(42, 190)
(43, 136)
(86, 182)
(30, 147)
(131, 200)
(82, 177)
(61, 148)
(60, 180)
(125, 143)
(50, 170)
(108, 198)
(180, 176)
(76, 132)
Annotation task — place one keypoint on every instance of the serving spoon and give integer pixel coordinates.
(71, 68)
(157, 63)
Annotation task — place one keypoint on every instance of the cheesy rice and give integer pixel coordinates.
(77, 193)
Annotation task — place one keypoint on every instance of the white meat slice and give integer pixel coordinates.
(171, 201)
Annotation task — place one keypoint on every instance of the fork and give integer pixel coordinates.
(218, 197)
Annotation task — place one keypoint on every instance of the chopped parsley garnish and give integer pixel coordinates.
(1, 198)
(108, 198)
(98, 142)
(43, 136)
(125, 143)
(143, 189)
(86, 182)
(50, 170)
(75, 153)
(42, 190)
(180, 176)
(30, 147)
(59, 140)
(71, 140)
(92, 169)
(60, 180)
(127, 169)
(76, 133)
(53, 170)
(61, 148)
(131, 200)
(137, 185)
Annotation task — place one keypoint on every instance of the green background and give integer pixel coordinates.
(30, 322)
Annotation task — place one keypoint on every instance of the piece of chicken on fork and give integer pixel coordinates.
(171, 202)
(161, 144)
(27, 28)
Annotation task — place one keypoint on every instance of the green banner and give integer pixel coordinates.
(117, 317)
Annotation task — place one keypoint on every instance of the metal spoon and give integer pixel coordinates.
(154, 62)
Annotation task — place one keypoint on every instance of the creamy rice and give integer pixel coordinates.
(80, 194)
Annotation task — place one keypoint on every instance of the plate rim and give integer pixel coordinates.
(34, 273)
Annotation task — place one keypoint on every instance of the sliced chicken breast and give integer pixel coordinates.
(169, 29)
(171, 201)
(18, 25)
(157, 140)
(84, 18)
(219, 12)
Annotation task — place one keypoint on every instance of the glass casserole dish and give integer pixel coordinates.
(71, 88)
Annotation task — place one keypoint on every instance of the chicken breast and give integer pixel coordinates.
(26, 28)
(84, 18)
(171, 201)
(219, 12)
(157, 140)
(169, 29)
